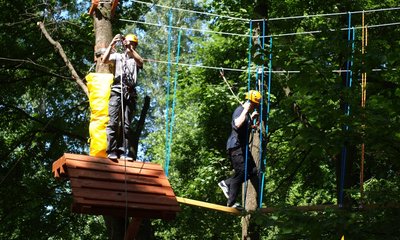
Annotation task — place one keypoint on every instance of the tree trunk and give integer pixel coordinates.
(115, 227)
(103, 34)
(251, 198)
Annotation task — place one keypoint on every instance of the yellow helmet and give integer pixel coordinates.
(254, 96)
(131, 38)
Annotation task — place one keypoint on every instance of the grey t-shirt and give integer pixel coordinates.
(123, 64)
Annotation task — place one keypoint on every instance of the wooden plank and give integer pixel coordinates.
(304, 208)
(59, 168)
(133, 228)
(208, 205)
(370, 206)
(72, 163)
(120, 212)
(57, 164)
(119, 196)
(120, 162)
(117, 177)
(120, 186)
(133, 206)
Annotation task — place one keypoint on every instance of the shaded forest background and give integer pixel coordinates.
(44, 113)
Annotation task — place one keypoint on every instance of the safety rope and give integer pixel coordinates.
(263, 163)
(169, 66)
(363, 98)
(221, 71)
(123, 68)
(173, 102)
(260, 87)
(267, 118)
(346, 111)
(247, 134)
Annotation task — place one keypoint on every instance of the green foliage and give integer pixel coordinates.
(43, 114)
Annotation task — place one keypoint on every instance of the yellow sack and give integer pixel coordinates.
(99, 93)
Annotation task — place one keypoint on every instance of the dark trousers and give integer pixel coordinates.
(114, 128)
(238, 158)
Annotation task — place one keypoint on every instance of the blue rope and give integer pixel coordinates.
(247, 134)
(261, 179)
(169, 66)
(262, 83)
(346, 111)
(267, 118)
(173, 102)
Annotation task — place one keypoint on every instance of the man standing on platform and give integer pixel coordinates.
(123, 94)
(236, 145)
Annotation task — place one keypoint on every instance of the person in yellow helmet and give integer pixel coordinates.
(123, 94)
(236, 146)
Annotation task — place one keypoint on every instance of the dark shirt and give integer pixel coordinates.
(242, 132)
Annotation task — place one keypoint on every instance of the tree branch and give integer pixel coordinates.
(46, 125)
(58, 46)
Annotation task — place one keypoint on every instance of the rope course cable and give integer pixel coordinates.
(192, 11)
(346, 109)
(363, 99)
(269, 19)
(244, 70)
(169, 66)
(247, 134)
(246, 35)
(260, 164)
(173, 102)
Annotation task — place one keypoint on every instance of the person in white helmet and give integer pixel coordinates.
(236, 145)
(123, 91)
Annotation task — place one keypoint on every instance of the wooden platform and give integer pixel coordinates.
(98, 187)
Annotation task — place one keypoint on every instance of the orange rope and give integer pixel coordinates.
(363, 98)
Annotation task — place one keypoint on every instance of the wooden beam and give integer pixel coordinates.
(211, 206)
(107, 185)
(93, 7)
(72, 163)
(117, 177)
(319, 208)
(121, 212)
(133, 229)
(304, 208)
(113, 8)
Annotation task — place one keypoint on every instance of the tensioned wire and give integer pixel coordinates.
(270, 19)
(243, 70)
(169, 67)
(246, 35)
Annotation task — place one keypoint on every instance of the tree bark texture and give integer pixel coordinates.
(103, 33)
(251, 197)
